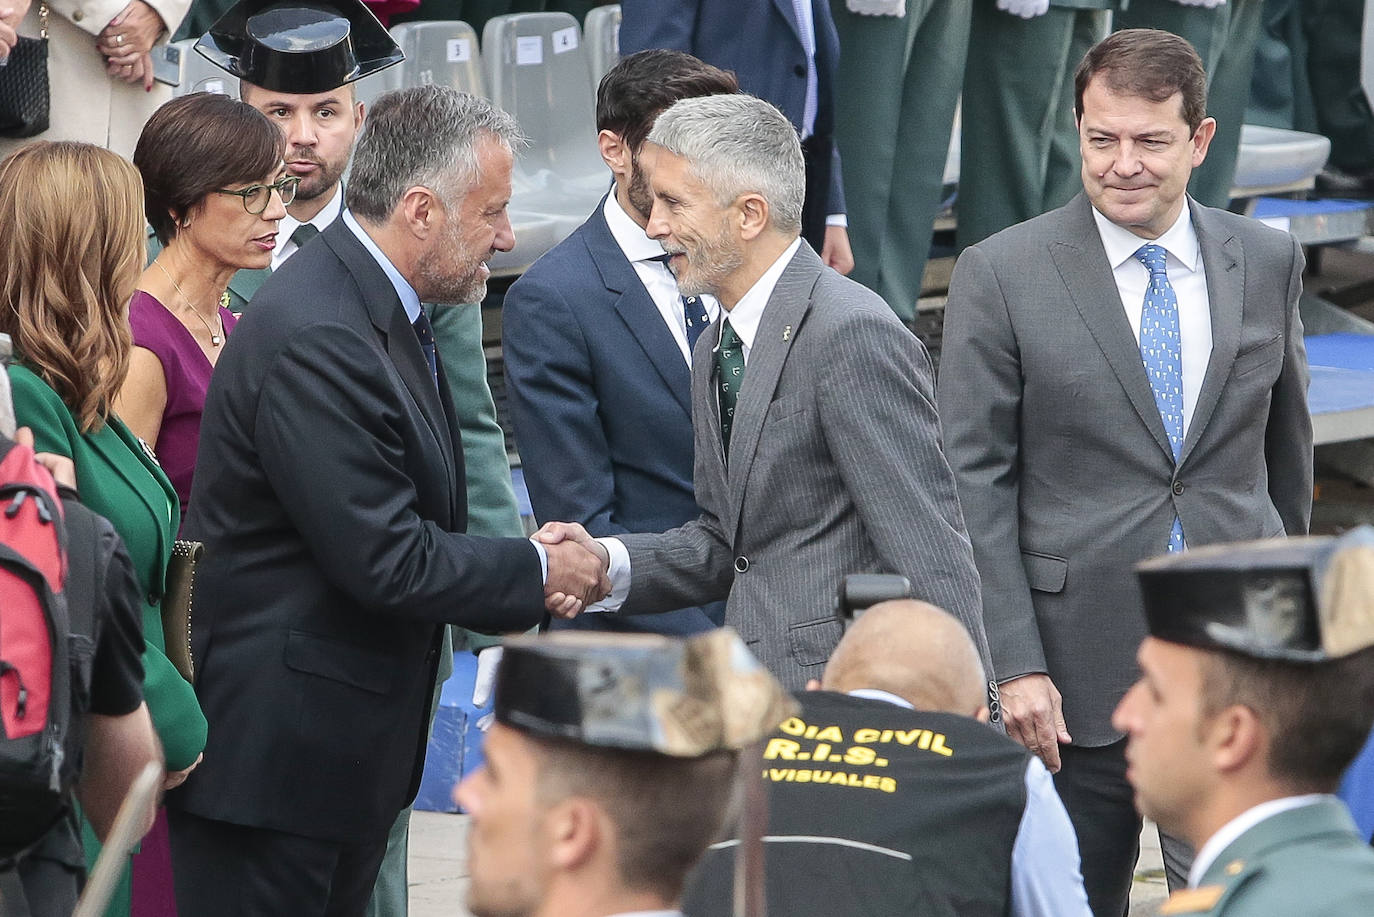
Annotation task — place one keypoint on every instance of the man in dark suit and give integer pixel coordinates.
(332, 506)
(796, 73)
(825, 459)
(597, 342)
(1122, 377)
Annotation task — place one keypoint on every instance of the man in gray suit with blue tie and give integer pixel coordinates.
(813, 412)
(1122, 377)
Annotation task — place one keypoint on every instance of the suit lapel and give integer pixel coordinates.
(786, 308)
(1082, 265)
(637, 310)
(1223, 260)
(398, 336)
(789, 15)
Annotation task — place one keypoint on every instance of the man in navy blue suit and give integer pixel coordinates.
(783, 51)
(597, 344)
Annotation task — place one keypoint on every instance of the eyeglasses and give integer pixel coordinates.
(255, 197)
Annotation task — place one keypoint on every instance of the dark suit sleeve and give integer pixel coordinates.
(980, 409)
(688, 565)
(836, 198)
(1288, 436)
(876, 404)
(648, 24)
(330, 440)
(563, 448)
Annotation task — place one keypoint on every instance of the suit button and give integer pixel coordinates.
(154, 598)
(741, 564)
(799, 70)
(1178, 488)
(77, 16)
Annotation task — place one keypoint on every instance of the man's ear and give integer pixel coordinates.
(359, 113)
(614, 152)
(577, 830)
(420, 209)
(753, 214)
(1236, 737)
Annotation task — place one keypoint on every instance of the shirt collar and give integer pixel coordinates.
(748, 312)
(1231, 831)
(327, 215)
(628, 234)
(885, 696)
(1179, 240)
(410, 300)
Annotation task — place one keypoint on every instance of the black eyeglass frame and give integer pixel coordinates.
(286, 188)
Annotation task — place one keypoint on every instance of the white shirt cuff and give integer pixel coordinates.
(837, 219)
(618, 573)
(543, 561)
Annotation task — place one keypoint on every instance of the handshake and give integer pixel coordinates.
(578, 569)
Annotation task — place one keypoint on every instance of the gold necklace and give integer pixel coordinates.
(216, 339)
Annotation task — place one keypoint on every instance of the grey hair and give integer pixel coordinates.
(736, 144)
(428, 136)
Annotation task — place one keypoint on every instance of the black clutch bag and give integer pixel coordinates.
(24, 84)
(176, 605)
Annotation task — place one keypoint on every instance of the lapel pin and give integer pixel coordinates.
(787, 332)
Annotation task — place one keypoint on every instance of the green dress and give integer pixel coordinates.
(119, 480)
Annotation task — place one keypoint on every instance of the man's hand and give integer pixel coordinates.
(59, 466)
(1033, 712)
(1026, 9)
(140, 71)
(835, 251)
(577, 569)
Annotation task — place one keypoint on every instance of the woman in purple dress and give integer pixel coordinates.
(213, 193)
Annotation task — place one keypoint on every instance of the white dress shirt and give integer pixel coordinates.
(287, 225)
(1186, 276)
(744, 317)
(1233, 829)
(641, 252)
(1045, 876)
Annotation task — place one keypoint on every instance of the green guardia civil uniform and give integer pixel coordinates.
(1225, 39)
(1308, 861)
(1019, 155)
(899, 79)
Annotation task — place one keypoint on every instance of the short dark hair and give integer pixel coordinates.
(1149, 64)
(1318, 715)
(636, 90)
(665, 810)
(197, 144)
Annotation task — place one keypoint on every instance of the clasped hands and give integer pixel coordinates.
(578, 569)
(126, 42)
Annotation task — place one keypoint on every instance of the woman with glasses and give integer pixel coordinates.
(72, 246)
(213, 191)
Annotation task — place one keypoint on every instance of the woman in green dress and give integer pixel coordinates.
(71, 240)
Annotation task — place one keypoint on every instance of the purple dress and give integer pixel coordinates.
(187, 371)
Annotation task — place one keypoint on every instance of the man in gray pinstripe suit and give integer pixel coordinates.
(828, 461)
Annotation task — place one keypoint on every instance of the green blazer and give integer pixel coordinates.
(123, 483)
(1308, 861)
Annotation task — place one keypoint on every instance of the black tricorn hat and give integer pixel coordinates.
(1291, 599)
(299, 46)
(640, 692)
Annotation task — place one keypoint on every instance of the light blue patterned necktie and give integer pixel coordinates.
(1161, 350)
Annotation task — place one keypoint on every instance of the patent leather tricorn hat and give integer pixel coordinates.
(684, 698)
(1303, 600)
(299, 46)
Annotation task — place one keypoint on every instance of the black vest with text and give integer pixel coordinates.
(875, 809)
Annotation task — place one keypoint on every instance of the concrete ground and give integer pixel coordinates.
(439, 869)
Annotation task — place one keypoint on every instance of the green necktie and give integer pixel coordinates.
(303, 234)
(729, 378)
